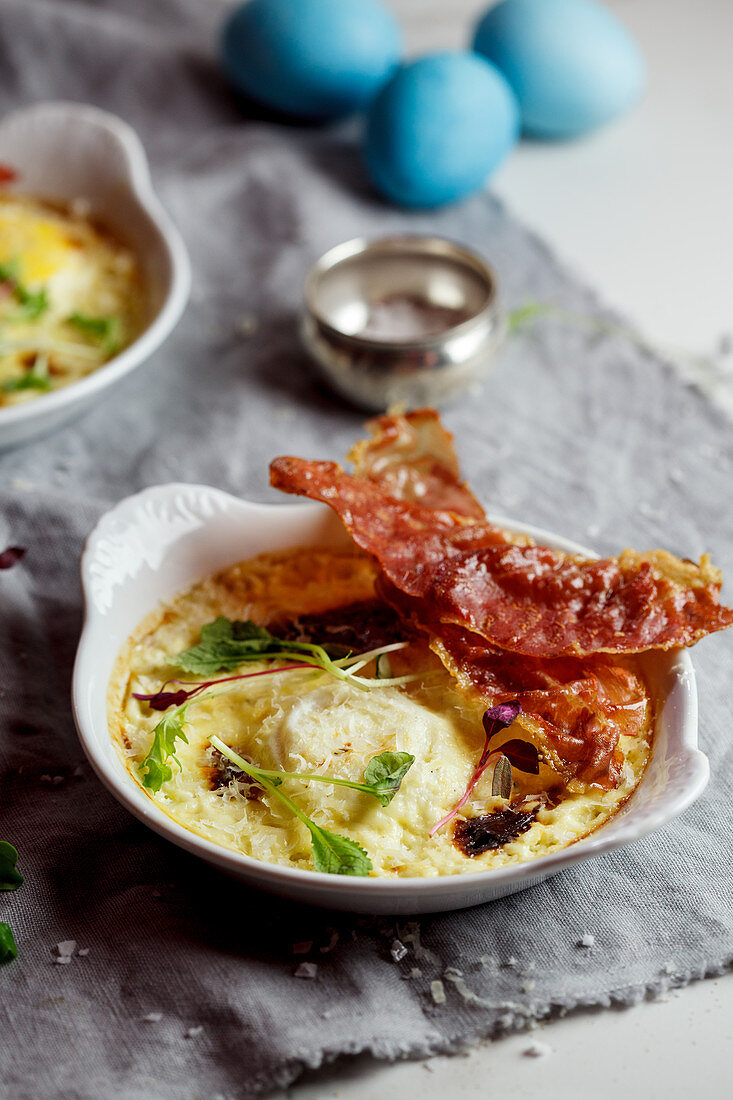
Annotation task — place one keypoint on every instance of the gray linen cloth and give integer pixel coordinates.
(583, 434)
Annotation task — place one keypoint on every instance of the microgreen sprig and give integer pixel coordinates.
(332, 854)
(225, 644)
(383, 774)
(221, 647)
(32, 302)
(37, 378)
(162, 699)
(168, 731)
(495, 719)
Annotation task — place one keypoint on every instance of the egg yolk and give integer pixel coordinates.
(37, 245)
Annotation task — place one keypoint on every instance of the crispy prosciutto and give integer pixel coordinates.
(413, 458)
(525, 598)
(509, 619)
(573, 709)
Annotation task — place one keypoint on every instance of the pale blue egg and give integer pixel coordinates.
(438, 128)
(314, 59)
(573, 66)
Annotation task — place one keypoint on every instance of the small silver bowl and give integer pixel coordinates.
(401, 320)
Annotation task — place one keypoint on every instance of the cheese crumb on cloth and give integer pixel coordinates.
(572, 430)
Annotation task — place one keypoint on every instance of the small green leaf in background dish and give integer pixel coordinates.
(103, 330)
(35, 379)
(32, 302)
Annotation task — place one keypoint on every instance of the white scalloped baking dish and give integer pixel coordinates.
(161, 541)
(68, 151)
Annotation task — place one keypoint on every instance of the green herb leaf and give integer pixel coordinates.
(225, 644)
(384, 774)
(165, 735)
(8, 948)
(33, 302)
(337, 855)
(501, 783)
(10, 877)
(35, 379)
(28, 381)
(10, 272)
(103, 330)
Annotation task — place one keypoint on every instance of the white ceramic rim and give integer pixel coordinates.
(175, 302)
(277, 879)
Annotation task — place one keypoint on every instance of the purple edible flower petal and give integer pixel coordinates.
(522, 755)
(161, 700)
(11, 556)
(498, 718)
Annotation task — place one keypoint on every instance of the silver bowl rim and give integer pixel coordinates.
(432, 245)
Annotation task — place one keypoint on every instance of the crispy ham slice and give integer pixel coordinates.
(573, 710)
(509, 619)
(413, 458)
(524, 598)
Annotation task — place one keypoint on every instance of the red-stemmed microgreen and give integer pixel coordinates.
(162, 699)
(227, 644)
(495, 719)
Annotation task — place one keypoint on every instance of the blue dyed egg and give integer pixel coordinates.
(314, 59)
(573, 66)
(438, 128)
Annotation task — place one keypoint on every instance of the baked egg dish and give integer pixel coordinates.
(438, 696)
(322, 734)
(71, 297)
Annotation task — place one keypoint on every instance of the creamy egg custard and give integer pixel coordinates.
(70, 298)
(305, 721)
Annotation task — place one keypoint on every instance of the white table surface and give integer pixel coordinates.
(643, 211)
